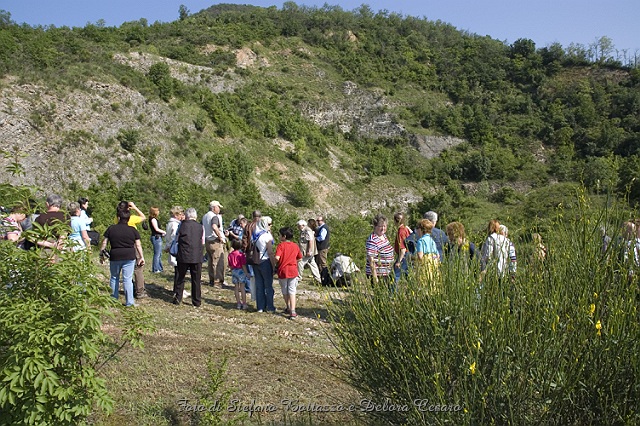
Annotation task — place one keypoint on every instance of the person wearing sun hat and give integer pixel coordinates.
(307, 244)
(214, 243)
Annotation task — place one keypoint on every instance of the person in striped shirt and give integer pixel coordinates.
(380, 254)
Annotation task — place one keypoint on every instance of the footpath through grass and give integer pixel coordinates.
(270, 360)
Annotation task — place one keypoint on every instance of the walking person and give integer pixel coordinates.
(156, 240)
(307, 245)
(190, 245)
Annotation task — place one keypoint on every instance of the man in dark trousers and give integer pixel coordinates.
(323, 243)
(190, 245)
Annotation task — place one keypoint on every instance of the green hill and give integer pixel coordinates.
(312, 109)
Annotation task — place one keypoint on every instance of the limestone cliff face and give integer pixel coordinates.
(70, 136)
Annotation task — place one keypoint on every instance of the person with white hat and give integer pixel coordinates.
(215, 242)
(307, 244)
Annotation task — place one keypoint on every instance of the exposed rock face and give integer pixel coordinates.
(186, 73)
(361, 111)
(66, 137)
(432, 146)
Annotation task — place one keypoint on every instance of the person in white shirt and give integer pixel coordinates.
(495, 251)
(307, 244)
(215, 243)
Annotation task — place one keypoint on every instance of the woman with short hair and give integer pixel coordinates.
(380, 255)
(427, 254)
(190, 247)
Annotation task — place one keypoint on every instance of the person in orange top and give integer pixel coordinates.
(401, 267)
(287, 255)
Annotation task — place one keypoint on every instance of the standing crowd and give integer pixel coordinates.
(427, 246)
(249, 249)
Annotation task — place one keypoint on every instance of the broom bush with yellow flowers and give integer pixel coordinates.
(559, 344)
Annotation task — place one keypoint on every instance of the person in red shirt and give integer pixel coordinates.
(287, 255)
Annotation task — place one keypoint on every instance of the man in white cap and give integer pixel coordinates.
(214, 241)
(307, 244)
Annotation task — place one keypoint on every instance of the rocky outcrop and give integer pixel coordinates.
(432, 146)
(186, 73)
(365, 112)
(72, 137)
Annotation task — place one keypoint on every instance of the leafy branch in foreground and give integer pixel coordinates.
(51, 337)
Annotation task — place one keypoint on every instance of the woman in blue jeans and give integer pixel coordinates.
(124, 241)
(263, 271)
(156, 240)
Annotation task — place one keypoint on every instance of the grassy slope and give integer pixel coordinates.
(270, 358)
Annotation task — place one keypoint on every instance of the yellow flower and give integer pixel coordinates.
(478, 345)
(472, 368)
(599, 327)
(595, 295)
(592, 309)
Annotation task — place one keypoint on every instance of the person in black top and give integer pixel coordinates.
(190, 246)
(125, 245)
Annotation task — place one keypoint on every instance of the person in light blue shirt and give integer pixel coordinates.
(438, 235)
(78, 238)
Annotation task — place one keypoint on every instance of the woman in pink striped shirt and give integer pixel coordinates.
(380, 253)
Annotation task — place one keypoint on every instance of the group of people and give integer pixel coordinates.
(427, 246)
(249, 249)
(18, 221)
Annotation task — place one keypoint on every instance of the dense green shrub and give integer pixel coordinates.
(52, 342)
(559, 345)
(160, 75)
(129, 139)
(300, 194)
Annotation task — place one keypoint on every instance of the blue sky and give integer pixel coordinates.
(543, 21)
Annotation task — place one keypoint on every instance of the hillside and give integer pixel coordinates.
(309, 109)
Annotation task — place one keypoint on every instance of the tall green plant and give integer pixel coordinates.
(51, 340)
(559, 345)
